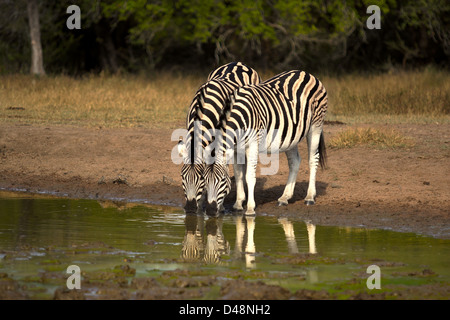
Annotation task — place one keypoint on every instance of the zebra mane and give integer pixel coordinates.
(200, 101)
(193, 116)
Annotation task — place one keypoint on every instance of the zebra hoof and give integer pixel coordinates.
(250, 213)
(309, 202)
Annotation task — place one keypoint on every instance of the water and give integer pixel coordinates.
(41, 237)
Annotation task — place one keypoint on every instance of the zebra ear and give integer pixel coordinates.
(182, 149)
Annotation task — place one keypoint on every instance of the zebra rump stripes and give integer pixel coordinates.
(276, 115)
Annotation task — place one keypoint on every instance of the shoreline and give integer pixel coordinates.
(318, 214)
(403, 190)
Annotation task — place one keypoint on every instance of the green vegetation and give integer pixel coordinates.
(136, 35)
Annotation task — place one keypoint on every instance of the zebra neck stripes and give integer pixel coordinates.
(211, 99)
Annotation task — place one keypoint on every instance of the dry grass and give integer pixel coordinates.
(109, 101)
(162, 100)
(402, 96)
(372, 137)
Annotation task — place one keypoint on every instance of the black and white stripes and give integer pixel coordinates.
(252, 118)
(203, 118)
(276, 115)
(210, 99)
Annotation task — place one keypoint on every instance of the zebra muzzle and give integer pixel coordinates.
(211, 209)
(191, 206)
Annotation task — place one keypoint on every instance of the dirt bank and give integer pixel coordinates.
(404, 190)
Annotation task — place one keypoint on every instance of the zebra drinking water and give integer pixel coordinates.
(203, 117)
(276, 114)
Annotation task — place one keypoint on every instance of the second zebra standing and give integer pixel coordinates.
(276, 114)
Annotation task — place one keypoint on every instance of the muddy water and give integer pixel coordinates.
(40, 237)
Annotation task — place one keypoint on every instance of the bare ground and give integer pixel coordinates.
(403, 190)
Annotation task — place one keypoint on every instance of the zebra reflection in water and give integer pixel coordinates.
(197, 246)
(245, 243)
(210, 247)
(288, 229)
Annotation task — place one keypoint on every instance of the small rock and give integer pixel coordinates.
(167, 180)
(120, 180)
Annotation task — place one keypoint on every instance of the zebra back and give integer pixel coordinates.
(236, 72)
(285, 106)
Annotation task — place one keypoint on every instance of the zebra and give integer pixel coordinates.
(198, 246)
(286, 108)
(193, 246)
(206, 108)
(216, 245)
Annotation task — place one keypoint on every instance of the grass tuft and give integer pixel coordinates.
(372, 137)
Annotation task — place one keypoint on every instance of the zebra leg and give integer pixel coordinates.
(313, 139)
(294, 164)
(239, 169)
(250, 175)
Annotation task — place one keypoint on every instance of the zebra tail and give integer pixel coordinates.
(322, 152)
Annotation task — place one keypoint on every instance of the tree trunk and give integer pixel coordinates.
(37, 61)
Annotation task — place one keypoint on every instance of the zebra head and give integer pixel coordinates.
(217, 186)
(192, 180)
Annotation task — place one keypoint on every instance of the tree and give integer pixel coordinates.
(140, 35)
(37, 60)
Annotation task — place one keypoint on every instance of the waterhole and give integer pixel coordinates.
(133, 250)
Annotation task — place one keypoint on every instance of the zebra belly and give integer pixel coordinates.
(275, 143)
